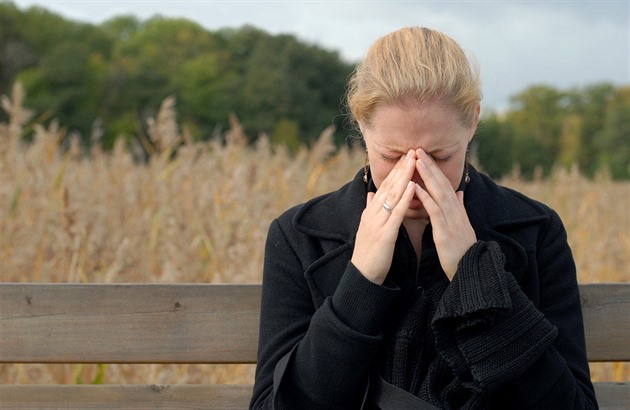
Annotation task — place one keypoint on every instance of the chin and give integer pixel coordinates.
(417, 213)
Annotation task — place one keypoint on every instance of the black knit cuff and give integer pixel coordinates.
(360, 303)
(485, 326)
(480, 281)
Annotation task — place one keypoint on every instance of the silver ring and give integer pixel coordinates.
(387, 207)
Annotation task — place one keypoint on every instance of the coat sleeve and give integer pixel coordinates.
(312, 358)
(498, 341)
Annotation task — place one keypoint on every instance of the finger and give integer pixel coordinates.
(398, 213)
(399, 180)
(429, 204)
(436, 183)
(385, 185)
(394, 175)
(435, 174)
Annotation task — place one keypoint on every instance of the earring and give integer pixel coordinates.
(366, 168)
(467, 177)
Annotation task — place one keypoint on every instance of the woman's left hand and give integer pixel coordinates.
(452, 232)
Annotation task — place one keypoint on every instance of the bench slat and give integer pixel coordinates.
(611, 396)
(96, 323)
(74, 323)
(606, 310)
(196, 323)
(228, 397)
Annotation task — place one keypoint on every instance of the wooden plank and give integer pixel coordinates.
(613, 396)
(74, 323)
(23, 397)
(606, 309)
(131, 323)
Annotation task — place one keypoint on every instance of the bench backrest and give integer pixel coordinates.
(197, 323)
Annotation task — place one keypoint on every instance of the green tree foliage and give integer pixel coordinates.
(116, 75)
(54, 58)
(15, 53)
(613, 141)
(546, 127)
(120, 71)
(590, 105)
(282, 78)
(495, 150)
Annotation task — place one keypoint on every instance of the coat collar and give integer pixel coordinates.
(496, 214)
(336, 216)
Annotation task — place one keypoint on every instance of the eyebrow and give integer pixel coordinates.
(431, 151)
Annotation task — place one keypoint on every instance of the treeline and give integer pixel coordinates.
(118, 73)
(545, 127)
(105, 80)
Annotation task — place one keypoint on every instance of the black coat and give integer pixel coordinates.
(509, 324)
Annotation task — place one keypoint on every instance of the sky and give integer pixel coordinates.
(517, 44)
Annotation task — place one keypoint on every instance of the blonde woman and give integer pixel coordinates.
(421, 284)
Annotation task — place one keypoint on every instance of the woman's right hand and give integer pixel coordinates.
(378, 229)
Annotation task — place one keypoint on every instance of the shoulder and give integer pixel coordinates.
(498, 205)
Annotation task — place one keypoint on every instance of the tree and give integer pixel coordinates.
(494, 145)
(613, 142)
(590, 104)
(207, 89)
(536, 117)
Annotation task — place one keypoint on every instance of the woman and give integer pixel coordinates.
(421, 283)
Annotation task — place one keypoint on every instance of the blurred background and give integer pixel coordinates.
(555, 74)
(155, 141)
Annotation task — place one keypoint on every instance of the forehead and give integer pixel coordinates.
(403, 126)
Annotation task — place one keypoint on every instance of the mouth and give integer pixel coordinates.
(416, 203)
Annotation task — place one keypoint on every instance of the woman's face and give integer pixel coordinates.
(395, 129)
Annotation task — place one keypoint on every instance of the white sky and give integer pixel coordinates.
(517, 43)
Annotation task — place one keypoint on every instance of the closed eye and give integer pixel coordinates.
(389, 159)
(444, 159)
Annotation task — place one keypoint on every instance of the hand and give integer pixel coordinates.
(378, 229)
(452, 232)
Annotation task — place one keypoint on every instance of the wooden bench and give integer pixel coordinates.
(195, 323)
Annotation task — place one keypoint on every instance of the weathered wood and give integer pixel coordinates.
(22, 397)
(606, 310)
(74, 323)
(200, 323)
(611, 396)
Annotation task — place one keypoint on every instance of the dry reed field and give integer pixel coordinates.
(202, 215)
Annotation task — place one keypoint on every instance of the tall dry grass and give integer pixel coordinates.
(201, 215)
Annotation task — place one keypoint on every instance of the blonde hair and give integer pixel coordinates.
(417, 63)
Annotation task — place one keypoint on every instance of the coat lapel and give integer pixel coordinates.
(505, 216)
(333, 221)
